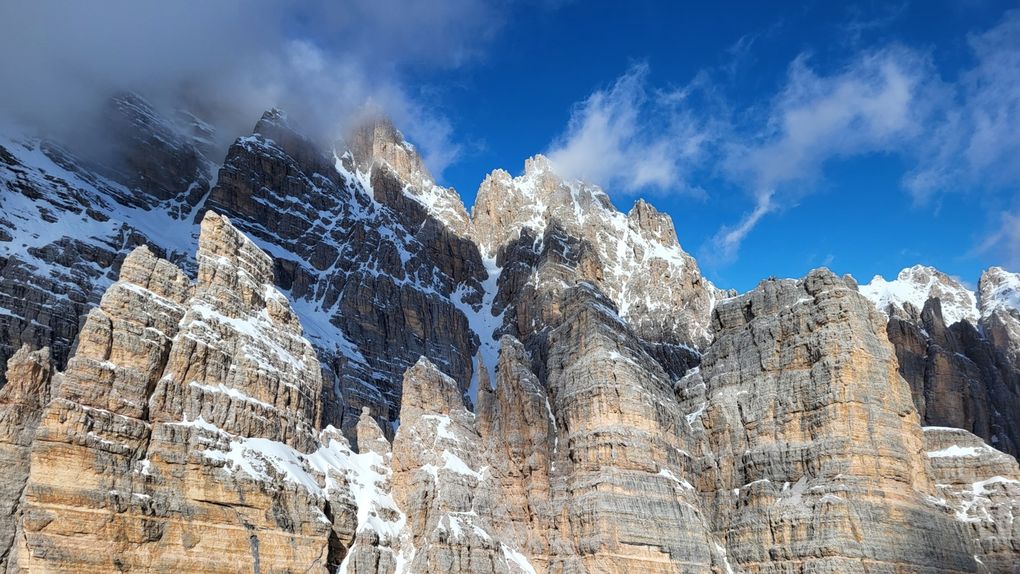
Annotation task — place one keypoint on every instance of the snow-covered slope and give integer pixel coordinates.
(999, 290)
(66, 223)
(915, 285)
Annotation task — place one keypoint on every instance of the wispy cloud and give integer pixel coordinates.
(726, 242)
(975, 142)
(954, 136)
(871, 105)
(630, 138)
(959, 137)
(1004, 241)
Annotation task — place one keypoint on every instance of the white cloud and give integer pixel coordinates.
(726, 242)
(230, 60)
(630, 139)
(959, 137)
(872, 105)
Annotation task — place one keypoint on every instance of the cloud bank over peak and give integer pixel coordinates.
(229, 61)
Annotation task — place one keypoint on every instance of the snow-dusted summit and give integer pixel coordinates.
(638, 262)
(914, 286)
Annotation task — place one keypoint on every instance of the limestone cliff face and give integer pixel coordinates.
(982, 487)
(376, 270)
(67, 221)
(633, 258)
(585, 413)
(140, 461)
(21, 403)
(999, 300)
(959, 376)
(375, 277)
(813, 457)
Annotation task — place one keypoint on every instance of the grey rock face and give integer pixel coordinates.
(982, 487)
(21, 404)
(634, 419)
(583, 421)
(957, 349)
(377, 278)
(999, 300)
(633, 258)
(812, 452)
(958, 377)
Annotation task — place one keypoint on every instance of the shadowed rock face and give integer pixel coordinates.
(959, 378)
(377, 278)
(128, 460)
(958, 349)
(633, 258)
(21, 403)
(999, 301)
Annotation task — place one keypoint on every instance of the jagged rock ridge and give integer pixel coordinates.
(957, 349)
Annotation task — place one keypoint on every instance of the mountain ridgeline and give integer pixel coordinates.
(302, 359)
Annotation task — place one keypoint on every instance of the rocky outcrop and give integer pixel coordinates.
(22, 400)
(67, 220)
(443, 481)
(812, 458)
(375, 144)
(957, 350)
(958, 377)
(378, 275)
(583, 424)
(982, 487)
(549, 385)
(162, 446)
(906, 295)
(999, 300)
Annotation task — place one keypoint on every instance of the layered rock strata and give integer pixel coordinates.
(67, 221)
(813, 456)
(22, 401)
(982, 487)
(152, 453)
(375, 276)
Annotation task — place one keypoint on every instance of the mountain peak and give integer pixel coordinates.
(375, 139)
(375, 143)
(537, 164)
(915, 285)
(652, 223)
(999, 289)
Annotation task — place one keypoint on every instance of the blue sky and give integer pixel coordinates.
(849, 207)
(780, 136)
